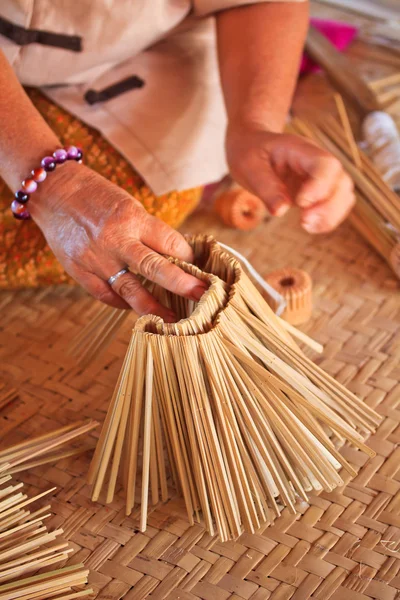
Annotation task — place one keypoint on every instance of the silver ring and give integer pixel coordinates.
(114, 278)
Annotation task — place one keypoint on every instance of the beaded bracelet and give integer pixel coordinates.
(29, 185)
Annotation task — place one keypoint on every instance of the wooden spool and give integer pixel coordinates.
(239, 209)
(295, 286)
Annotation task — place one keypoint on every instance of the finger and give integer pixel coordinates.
(163, 239)
(158, 269)
(325, 216)
(127, 290)
(265, 184)
(322, 173)
(137, 297)
(100, 290)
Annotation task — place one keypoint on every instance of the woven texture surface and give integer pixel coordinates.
(342, 546)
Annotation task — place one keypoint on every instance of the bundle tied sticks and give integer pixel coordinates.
(226, 402)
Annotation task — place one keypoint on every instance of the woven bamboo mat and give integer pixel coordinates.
(342, 546)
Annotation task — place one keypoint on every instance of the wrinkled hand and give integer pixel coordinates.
(95, 229)
(285, 170)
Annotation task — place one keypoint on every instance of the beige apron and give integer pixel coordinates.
(142, 72)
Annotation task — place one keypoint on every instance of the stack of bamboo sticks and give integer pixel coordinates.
(377, 212)
(26, 547)
(44, 449)
(226, 402)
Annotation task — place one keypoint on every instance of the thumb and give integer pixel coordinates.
(265, 184)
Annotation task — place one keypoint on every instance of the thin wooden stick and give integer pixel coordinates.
(344, 117)
(147, 438)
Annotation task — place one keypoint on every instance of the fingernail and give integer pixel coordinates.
(304, 201)
(197, 292)
(278, 206)
(281, 210)
(312, 223)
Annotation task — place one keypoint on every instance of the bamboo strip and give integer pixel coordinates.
(348, 131)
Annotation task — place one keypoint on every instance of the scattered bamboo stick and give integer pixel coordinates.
(40, 450)
(27, 547)
(226, 401)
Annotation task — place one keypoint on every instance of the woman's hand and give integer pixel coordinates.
(95, 229)
(285, 170)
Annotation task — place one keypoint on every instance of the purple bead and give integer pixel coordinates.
(21, 196)
(79, 156)
(19, 210)
(60, 156)
(72, 152)
(22, 216)
(48, 163)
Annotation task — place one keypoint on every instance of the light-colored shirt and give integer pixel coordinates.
(166, 114)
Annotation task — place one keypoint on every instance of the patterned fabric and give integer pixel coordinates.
(25, 258)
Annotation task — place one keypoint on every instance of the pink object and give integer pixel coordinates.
(340, 34)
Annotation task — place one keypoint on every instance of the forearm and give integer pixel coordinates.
(25, 137)
(259, 49)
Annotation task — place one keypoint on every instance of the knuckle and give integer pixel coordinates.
(348, 183)
(334, 164)
(329, 164)
(352, 199)
(149, 265)
(116, 224)
(173, 244)
(128, 288)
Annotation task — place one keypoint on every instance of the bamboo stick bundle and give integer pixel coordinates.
(28, 551)
(226, 402)
(45, 448)
(377, 212)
